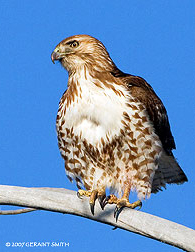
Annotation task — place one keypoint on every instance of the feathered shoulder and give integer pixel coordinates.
(157, 113)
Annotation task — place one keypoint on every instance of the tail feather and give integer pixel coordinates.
(168, 172)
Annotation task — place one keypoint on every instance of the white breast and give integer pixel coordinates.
(97, 114)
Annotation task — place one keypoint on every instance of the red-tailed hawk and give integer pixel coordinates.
(113, 130)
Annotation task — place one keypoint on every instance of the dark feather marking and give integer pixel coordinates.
(140, 89)
(157, 113)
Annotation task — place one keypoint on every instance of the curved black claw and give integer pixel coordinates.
(78, 195)
(92, 205)
(101, 200)
(105, 202)
(140, 206)
(92, 200)
(117, 211)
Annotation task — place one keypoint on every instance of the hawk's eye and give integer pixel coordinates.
(74, 44)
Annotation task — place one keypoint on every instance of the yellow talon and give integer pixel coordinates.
(81, 193)
(121, 203)
(93, 195)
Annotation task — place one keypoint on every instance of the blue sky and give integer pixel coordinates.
(152, 39)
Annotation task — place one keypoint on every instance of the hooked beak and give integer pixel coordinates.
(55, 56)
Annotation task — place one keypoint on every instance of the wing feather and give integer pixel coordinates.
(169, 170)
(157, 113)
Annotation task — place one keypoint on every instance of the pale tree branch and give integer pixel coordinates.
(17, 211)
(65, 201)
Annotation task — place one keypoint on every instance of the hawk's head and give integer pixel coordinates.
(76, 51)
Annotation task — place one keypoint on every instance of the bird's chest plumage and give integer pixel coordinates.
(93, 114)
(103, 134)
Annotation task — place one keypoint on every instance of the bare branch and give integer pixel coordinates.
(17, 211)
(66, 201)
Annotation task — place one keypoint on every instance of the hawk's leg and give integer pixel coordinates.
(121, 203)
(93, 195)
